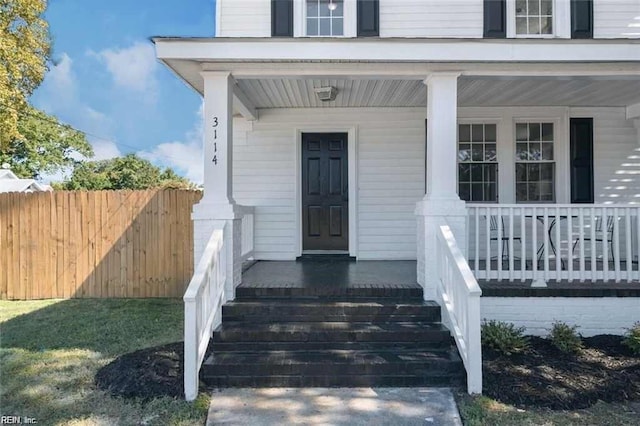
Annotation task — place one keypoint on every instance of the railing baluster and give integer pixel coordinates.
(546, 244)
(604, 243)
(570, 242)
(581, 240)
(476, 215)
(594, 250)
(487, 254)
(499, 248)
(557, 246)
(616, 244)
(534, 242)
(637, 210)
(523, 245)
(627, 241)
(511, 253)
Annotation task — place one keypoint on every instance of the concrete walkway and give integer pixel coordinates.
(322, 406)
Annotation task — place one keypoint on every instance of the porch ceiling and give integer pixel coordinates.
(472, 91)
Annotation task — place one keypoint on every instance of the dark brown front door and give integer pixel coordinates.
(325, 192)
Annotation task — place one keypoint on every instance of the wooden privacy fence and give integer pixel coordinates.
(96, 244)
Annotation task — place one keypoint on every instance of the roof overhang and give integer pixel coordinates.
(598, 61)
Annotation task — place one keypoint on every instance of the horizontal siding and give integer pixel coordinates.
(390, 176)
(613, 18)
(616, 155)
(431, 18)
(244, 18)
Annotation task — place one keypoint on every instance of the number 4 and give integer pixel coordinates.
(215, 159)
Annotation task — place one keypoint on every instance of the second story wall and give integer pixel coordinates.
(431, 18)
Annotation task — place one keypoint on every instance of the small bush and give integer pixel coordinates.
(504, 337)
(632, 338)
(565, 337)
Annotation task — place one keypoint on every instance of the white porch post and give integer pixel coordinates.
(441, 204)
(217, 209)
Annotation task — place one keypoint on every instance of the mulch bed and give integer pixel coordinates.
(544, 377)
(146, 374)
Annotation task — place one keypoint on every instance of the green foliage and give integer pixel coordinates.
(44, 146)
(128, 172)
(565, 337)
(504, 337)
(24, 52)
(632, 338)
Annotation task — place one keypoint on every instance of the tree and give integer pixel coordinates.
(44, 145)
(128, 172)
(24, 52)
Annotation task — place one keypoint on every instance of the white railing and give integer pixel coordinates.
(573, 242)
(247, 232)
(460, 297)
(202, 309)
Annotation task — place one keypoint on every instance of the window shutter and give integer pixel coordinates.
(495, 18)
(368, 18)
(282, 18)
(581, 160)
(581, 18)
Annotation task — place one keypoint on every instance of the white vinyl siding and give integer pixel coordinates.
(243, 18)
(431, 18)
(390, 145)
(614, 18)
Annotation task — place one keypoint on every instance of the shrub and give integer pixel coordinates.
(504, 337)
(632, 338)
(565, 337)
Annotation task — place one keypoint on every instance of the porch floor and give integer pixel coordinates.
(336, 274)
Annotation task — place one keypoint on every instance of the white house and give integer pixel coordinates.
(9, 182)
(488, 140)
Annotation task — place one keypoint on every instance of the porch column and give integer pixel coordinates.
(217, 209)
(441, 204)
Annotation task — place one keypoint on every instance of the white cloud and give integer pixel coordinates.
(104, 149)
(61, 76)
(185, 157)
(133, 67)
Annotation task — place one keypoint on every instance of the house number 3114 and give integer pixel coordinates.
(215, 138)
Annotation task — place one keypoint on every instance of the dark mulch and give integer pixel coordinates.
(544, 377)
(146, 374)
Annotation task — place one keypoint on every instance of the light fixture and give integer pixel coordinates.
(332, 5)
(327, 93)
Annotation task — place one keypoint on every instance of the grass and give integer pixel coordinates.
(481, 411)
(51, 350)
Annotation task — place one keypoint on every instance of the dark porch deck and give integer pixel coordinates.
(331, 278)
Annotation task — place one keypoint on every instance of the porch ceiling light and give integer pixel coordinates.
(327, 93)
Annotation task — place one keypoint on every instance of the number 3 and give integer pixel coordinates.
(215, 122)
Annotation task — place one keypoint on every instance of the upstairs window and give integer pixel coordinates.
(325, 18)
(534, 17)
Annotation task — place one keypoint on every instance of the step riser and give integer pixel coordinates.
(417, 369)
(276, 313)
(282, 317)
(310, 346)
(333, 381)
(434, 337)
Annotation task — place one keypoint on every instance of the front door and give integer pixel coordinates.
(325, 192)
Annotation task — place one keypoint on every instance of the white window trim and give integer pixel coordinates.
(300, 19)
(561, 21)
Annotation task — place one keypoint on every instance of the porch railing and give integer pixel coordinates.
(202, 309)
(460, 298)
(554, 242)
(246, 244)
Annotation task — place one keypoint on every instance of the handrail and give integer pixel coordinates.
(202, 306)
(460, 296)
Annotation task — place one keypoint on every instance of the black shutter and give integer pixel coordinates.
(495, 18)
(282, 18)
(581, 18)
(368, 18)
(581, 152)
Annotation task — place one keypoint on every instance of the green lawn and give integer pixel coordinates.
(483, 411)
(51, 350)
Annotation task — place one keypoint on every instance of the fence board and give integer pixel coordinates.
(96, 244)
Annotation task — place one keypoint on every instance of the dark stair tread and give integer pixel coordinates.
(333, 356)
(338, 326)
(252, 346)
(303, 302)
(374, 380)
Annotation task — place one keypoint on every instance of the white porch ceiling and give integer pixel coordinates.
(512, 91)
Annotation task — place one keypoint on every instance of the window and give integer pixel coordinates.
(325, 18)
(535, 166)
(534, 17)
(477, 163)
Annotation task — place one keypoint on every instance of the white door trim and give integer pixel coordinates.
(352, 152)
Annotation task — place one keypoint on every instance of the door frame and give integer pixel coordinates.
(352, 152)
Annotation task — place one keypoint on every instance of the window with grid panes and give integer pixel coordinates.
(535, 165)
(477, 163)
(323, 20)
(534, 17)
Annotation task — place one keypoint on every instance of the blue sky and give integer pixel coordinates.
(107, 82)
